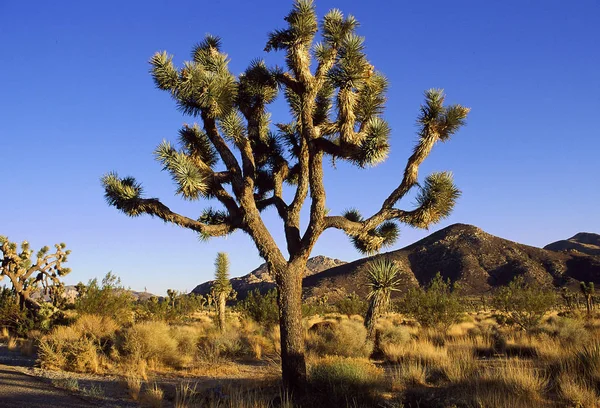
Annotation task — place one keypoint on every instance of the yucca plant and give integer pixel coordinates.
(221, 286)
(383, 279)
(242, 160)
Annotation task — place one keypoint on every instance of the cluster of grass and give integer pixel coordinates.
(97, 344)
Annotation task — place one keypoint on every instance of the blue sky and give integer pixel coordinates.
(77, 101)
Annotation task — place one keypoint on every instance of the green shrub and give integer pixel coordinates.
(261, 308)
(111, 299)
(438, 305)
(525, 304)
(352, 305)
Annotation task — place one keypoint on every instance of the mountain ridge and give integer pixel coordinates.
(463, 253)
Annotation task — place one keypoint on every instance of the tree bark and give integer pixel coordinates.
(222, 297)
(293, 363)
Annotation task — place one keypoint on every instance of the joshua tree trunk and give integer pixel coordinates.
(371, 318)
(293, 364)
(222, 297)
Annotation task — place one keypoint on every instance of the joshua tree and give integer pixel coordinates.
(587, 289)
(27, 276)
(221, 286)
(336, 99)
(382, 281)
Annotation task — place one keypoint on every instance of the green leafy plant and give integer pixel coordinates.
(438, 305)
(525, 304)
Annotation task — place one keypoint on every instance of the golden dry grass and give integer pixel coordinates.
(152, 397)
(134, 386)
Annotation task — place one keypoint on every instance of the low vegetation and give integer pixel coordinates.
(433, 346)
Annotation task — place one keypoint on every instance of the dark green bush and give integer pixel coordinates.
(524, 304)
(438, 305)
(352, 305)
(262, 308)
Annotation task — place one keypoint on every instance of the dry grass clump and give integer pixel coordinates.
(152, 342)
(98, 328)
(152, 396)
(576, 393)
(67, 348)
(423, 351)
(461, 366)
(340, 381)
(410, 374)
(77, 347)
(134, 386)
(514, 377)
(12, 344)
(346, 338)
(4, 334)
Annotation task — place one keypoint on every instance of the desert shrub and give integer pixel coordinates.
(525, 304)
(66, 348)
(343, 381)
(517, 378)
(438, 305)
(109, 299)
(216, 345)
(150, 341)
(77, 347)
(187, 339)
(569, 332)
(347, 338)
(100, 329)
(261, 308)
(392, 334)
(352, 305)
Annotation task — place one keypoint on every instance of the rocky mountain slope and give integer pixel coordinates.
(261, 279)
(478, 261)
(584, 242)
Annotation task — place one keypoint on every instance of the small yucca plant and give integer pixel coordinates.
(383, 279)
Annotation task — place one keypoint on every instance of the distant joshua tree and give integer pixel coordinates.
(221, 287)
(27, 275)
(336, 100)
(587, 289)
(383, 279)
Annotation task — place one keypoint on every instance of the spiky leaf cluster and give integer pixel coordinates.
(435, 200)
(201, 85)
(221, 284)
(435, 118)
(123, 193)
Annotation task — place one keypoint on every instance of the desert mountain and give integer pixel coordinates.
(584, 242)
(478, 261)
(475, 259)
(262, 280)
